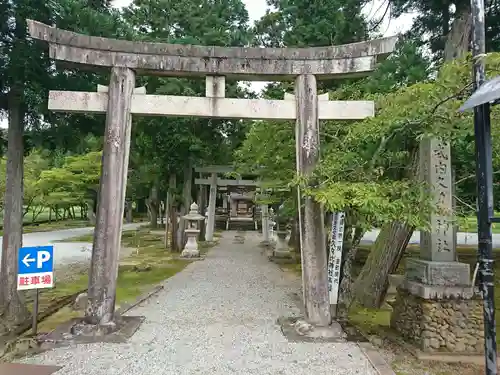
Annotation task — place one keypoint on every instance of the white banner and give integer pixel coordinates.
(335, 256)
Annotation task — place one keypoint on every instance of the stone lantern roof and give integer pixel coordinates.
(193, 214)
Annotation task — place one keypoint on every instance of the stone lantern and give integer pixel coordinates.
(192, 230)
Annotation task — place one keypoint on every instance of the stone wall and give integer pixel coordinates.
(439, 325)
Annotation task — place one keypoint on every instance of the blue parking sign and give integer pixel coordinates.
(35, 267)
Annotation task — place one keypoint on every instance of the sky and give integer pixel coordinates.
(257, 8)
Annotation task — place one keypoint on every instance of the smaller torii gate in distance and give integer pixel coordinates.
(213, 181)
(125, 59)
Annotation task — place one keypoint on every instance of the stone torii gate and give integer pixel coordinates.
(126, 59)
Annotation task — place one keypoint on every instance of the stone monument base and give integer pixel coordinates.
(437, 273)
(452, 324)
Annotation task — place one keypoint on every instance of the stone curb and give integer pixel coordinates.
(375, 359)
(127, 307)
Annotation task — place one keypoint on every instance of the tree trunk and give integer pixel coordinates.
(152, 204)
(169, 204)
(161, 212)
(141, 206)
(13, 308)
(457, 42)
(294, 240)
(173, 238)
(349, 251)
(385, 254)
(148, 208)
(128, 213)
(90, 213)
(371, 284)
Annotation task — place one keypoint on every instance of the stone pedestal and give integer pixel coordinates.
(282, 250)
(440, 325)
(191, 248)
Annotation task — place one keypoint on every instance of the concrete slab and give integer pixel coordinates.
(26, 369)
(298, 330)
(76, 331)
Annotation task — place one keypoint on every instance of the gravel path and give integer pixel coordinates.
(218, 316)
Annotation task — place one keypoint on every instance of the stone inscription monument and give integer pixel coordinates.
(437, 264)
(126, 59)
(436, 307)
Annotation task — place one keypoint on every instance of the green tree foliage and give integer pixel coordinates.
(64, 131)
(34, 165)
(62, 184)
(69, 185)
(434, 18)
(405, 66)
(26, 75)
(23, 69)
(164, 145)
(269, 147)
(379, 147)
(302, 23)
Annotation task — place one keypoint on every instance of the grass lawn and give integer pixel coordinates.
(43, 216)
(42, 225)
(469, 224)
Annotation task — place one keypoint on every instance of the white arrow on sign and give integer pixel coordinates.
(27, 260)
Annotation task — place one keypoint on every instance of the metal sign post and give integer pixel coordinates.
(335, 259)
(484, 94)
(35, 271)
